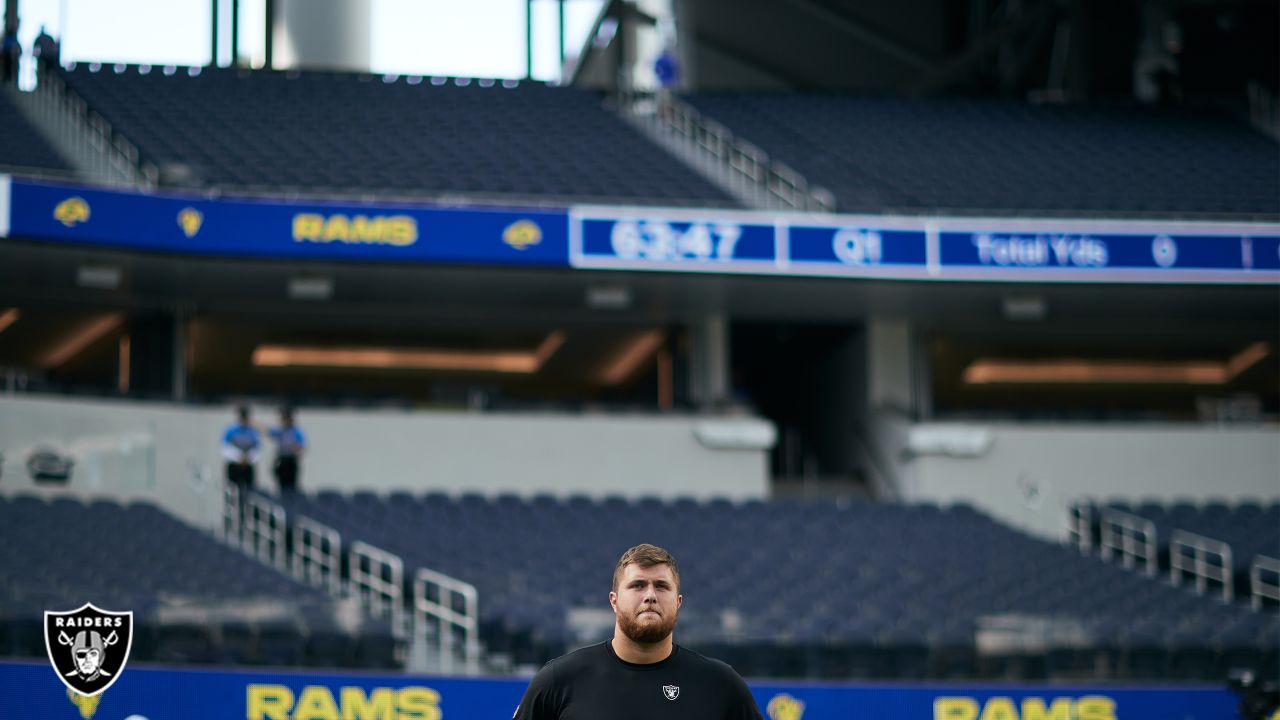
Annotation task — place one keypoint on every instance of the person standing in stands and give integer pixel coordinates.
(290, 444)
(641, 673)
(240, 445)
(10, 52)
(46, 50)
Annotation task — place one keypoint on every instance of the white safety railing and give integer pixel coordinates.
(1130, 537)
(85, 137)
(1078, 527)
(1206, 559)
(447, 609)
(742, 168)
(1260, 587)
(263, 531)
(316, 557)
(376, 577)
(231, 515)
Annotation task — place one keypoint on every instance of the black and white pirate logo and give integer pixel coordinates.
(671, 691)
(88, 647)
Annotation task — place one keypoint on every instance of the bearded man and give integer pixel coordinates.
(641, 673)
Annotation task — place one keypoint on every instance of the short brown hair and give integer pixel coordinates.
(645, 555)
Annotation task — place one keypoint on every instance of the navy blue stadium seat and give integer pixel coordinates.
(805, 575)
(883, 154)
(339, 133)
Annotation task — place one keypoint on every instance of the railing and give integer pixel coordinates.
(376, 577)
(444, 612)
(1192, 554)
(711, 148)
(317, 555)
(1131, 537)
(448, 609)
(94, 148)
(1078, 530)
(263, 531)
(231, 516)
(1260, 588)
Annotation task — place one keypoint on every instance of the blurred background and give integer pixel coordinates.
(1004, 473)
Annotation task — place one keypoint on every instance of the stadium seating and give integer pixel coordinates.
(810, 588)
(194, 599)
(24, 148)
(972, 156)
(320, 132)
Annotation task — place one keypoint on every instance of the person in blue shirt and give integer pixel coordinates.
(290, 444)
(240, 447)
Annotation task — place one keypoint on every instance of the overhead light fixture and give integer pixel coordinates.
(986, 371)
(634, 352)
(9, 317)
(85, 336)
(610, 297)
(310, 287)
(98, 277)
(1024, 308)
(518, 362)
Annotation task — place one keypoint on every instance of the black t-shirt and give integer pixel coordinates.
(595, 684)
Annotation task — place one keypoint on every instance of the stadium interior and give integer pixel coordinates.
(892, 479)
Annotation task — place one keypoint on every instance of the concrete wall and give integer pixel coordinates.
(169, 453)
(1028, 475)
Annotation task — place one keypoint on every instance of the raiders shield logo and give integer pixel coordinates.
(88, 647)
(671, 691)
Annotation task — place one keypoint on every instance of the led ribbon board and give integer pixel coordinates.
(869, 246)
(647, 239)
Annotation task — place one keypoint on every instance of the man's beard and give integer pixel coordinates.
(647, 633)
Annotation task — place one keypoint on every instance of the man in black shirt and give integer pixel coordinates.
(641, 674)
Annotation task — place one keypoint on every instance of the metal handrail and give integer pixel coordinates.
(1133, 538)
(317, 554)
(231, 515)
(1198, 563)
(1259, 588)
(748, 168)
(436, 600)
(107, 155)
(1078, 527)
(377, 579)
(263, 530)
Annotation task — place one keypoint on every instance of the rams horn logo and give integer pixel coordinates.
(671, 691)
(785, 707)
(190, 220)
(88, 647)
(71, 211)
(521, 234)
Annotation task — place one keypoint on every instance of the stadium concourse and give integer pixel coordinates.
(917, 385)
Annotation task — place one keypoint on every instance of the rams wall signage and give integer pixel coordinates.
(198, 225)
(648, 239)
(33, 690)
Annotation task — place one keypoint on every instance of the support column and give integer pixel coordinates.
(181, 318)
(709, 361)
(322, 34)
(891, 367)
